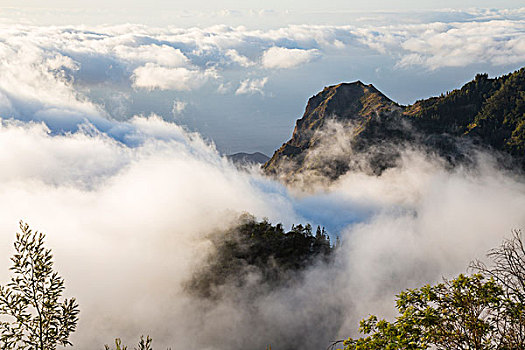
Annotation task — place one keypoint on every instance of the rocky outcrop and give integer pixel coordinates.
(485, 113)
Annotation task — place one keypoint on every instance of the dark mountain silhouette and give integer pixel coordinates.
(248, 158)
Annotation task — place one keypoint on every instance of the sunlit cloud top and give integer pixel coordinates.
(66, 75)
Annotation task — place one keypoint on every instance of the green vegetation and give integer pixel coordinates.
(34, 316)
(468, 312)
(501, 120)
(262, 249)
(453, 112)
(490, 111)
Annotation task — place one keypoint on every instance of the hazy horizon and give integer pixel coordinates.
(255, 69)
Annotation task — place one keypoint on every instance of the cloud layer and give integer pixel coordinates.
(128, 226)
(151, 76)
(68, 75)
(280, 57)
(251, 86)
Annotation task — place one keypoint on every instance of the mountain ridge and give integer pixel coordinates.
(487, 112)
(243, 158)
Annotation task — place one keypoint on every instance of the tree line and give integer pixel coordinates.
(253, 246)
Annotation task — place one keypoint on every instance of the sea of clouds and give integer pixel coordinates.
(45, 68)
(255, 81)
(128, 226)
(127, 200)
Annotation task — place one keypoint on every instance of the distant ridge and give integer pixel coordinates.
(488, 113)
(248, 158)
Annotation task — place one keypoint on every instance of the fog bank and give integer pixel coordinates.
(128, 227)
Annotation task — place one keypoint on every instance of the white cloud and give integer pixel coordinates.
(178, 108)
(239, 59)
(280, 57)
(62, 75)
(151, 76)
(81, 159)
(160, 54)
(252, 86)
(38, 85)
(460, 44)
(188, 57)
(224, 88)
(102, 203)
(59, 62)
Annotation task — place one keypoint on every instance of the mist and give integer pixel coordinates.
(129, 225)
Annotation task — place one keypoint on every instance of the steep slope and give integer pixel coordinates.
(451, 113)
(501, 121)
(360, 106)
(489, 113)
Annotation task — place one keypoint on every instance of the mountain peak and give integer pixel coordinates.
(486, 112)
(354, 84)
(353, 102)
(357, 85)
(347, 100)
